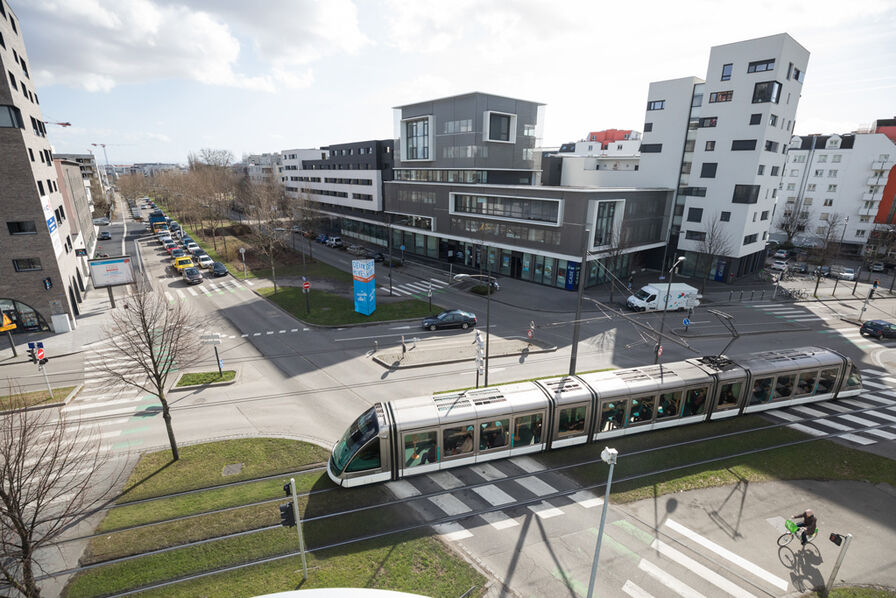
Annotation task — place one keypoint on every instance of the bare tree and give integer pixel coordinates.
(152, 338)
(266, 207)
(827, 242)
(301, 209)
(617, 243)
(792, 222)
(716, 241)
(133, 186)
(53, 473)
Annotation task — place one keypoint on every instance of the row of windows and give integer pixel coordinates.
(306, 179)
(458, 126)
(364, 196)
(508, 207)
(506, 230)
(422, 197)
(696, 215)
(760, 66)
(326, 192)
(46, 156)
(775, 170)
(721, 96)
(465, 151)
(349, 181)
(306, 166)
(51, 187)
(349, 151)
(441, 176)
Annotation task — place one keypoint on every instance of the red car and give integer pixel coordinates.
(170, 246)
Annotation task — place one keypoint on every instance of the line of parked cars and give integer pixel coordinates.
(188, 257)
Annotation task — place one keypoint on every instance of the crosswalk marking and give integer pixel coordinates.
(452, 532)
(489, 472)
(403, 489)
(670, 581)
(545, 510)
(527, 464)
(705, 572)
(493, 495)
(499, 520)
(536, 486)
(449, 504)
(634, 591)
(77, 406)
(586, 499)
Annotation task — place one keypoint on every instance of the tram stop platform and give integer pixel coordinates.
(420, 353)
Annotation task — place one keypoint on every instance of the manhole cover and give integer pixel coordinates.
(232, 469)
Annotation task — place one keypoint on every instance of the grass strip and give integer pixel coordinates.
(202, 465)
(856, 593)
(328, 309)
(206, 378)
(33, 398)
(406, 563)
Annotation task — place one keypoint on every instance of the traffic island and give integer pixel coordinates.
(192, 380)
(416, 353)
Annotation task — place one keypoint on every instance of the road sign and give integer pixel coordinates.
(402, 247)
(306, 285)
(686, 322)
(243, 250)
(529, 333)
(659, 351)
(7, 324)
(40, 354)
(210, 339)
(40, 345)
(31, 345)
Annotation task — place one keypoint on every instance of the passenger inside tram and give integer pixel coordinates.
(669, 402)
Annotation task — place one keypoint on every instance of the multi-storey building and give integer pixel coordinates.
(39, 270)
(90, 172)
(263, 168)
(834, 179)
(721, 143)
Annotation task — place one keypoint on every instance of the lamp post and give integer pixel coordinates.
(609, 457)
(839, 254)
(659, 339)
(488, 309)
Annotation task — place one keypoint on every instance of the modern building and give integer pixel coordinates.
(834, 178)
(721, 143)
(39, 272)
(90, 172)
(263, 168)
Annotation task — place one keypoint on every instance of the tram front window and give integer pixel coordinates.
(362, 430)
(826, 381)
(855, 378)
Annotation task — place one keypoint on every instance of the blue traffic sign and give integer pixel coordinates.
(686, 322)
(40, 345)
(402, 247)
(31, 345)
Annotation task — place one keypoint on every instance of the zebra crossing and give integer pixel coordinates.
(208, 288)
(792, 313)
(660, 565)
(862, 342)
(417, 289)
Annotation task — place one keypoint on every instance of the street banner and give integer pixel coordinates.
(364, 286)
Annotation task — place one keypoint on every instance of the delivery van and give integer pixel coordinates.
(652, 297)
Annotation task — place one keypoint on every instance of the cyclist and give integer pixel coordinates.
(809, 522)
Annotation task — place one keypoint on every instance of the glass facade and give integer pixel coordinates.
(26, 318)
(417, 139)
(539, 210)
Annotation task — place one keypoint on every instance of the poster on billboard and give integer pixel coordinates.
(364, 286)
(111, 271)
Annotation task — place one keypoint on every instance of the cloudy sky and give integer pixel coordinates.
(157, 79)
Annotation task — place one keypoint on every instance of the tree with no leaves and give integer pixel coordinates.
(716, 242)
(792, 222)
(53, 473)
(827, 241)
(153, 339)
(267, 203)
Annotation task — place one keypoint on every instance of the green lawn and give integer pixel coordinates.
(206, 377)
(327, 309)
(856, 593)
(30, 399)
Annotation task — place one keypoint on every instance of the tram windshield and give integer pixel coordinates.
(357, 435)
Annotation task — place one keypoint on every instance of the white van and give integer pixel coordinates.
(652, 297)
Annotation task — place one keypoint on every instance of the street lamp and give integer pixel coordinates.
(840, 254)
(609, 457)
(488, 309)
(659, 339)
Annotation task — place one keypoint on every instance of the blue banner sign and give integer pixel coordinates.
(364, 286)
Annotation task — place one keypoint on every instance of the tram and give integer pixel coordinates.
(412, 436)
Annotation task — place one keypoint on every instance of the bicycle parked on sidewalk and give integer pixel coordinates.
(793, 532)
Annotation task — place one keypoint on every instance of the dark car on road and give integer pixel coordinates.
(219, 269)
(104, 236)
(878, 329)
(192, 275)
(453, 318)
(176, 253)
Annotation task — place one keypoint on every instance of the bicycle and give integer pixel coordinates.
(794, 531)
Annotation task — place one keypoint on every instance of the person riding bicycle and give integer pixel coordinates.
(809, 522)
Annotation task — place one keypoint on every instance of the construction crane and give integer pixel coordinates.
(47, 122)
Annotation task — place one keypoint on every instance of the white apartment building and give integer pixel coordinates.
(835, 177)
(263, 168)
(721, 142)
(291, 159)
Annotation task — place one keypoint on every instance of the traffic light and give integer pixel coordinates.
(287, 515)
(44, 360)
(32, 356)
(48, 283)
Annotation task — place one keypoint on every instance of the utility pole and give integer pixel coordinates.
(577, 324)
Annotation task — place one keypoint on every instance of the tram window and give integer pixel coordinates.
(762, 391)
(493, 434)
(729, 395)
(695, 402)
(420, 448)
(642, 410)
(669, 404)
(458, 440)
(854, 380)
(784, 386)
(527, 429)
(805, 384)
(367, 458)
(612, 415)
(571, 421)
(826, 381)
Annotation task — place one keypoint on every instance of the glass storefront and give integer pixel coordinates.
(24, 316)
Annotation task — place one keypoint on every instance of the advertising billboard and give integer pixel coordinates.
(111, 271)
(364, 286)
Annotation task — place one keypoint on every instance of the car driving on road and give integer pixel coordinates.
(219, 269)
(453, 318)
(878, 329)
(104, 236)
(192, 275)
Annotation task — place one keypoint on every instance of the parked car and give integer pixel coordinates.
(219, 269)
(178, 252)
(199, 251)
(191, 247)
(781, 254)
(165, 240)
(375, 255)
(356, 250)
(170, 246)
(181, 263)
(321, 238)
(453, 318)
(780, 265)
(205, 261)
(192, 275)
(101, 221)
(335, 242)
(844, 272)
(877, 267)
(822, 270)
(878, 329)
(104, 236)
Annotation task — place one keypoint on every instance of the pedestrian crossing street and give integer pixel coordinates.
(208, 287)
(418, 289)
(658, 563)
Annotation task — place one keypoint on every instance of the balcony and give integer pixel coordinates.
(885, 166)
(877, 180)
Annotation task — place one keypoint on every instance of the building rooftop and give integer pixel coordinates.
(461, 95)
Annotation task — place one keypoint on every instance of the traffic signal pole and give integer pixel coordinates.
(46, 379)
(288, 519)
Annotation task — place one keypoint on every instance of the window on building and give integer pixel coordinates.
(754, 216)
(708, 170)
(725, 216)
(807, 201)
(648, 127)
(883, 157)
(832, 188)
(689, 145)
(764, 215)
(11, 117)
(12, 81)
(766, 92)
(708, 121)
(22, 227)
(604, 223)
(761, 66)
(791, 186)
(860, 232)
(656, 105)
(828, 202)
(27, 264)
(721, 96)
(836, 158)
(726, 71)
(810, 186)
(761, 169)
(745, 194)
(417, 138)
(771, 146)
(755, 119)
(651, 148)
(776, 170)
(824, 216)
(798, 74)
(695, 214)
(685, 168)
(821, 158)
(31, 154)
(864, 218)
(772, 120)
(832, 173)
(40, 187)
(710, 146)
(751, 238)
(743, 145)
(499, 127)
(695, 235)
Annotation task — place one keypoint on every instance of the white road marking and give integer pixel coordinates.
(670, 581)
(545, 510)
(269, 332)
(257, 334)
(587, 499)
(489, 472)
(536, 486)
(403, 489)
(499, 520)
(493, 495)
(294, 330)
(79, 406)
(704, 572)
(634, 591)
(452, 532)
(446, 480)
(527, 464)
(875, 384)
(449, 504)
(282, 332)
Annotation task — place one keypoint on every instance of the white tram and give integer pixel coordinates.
(420, 435)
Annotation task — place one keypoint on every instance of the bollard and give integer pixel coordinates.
(376, 345)
(751, 295)
(741, 296)
(762, 295)
(730, 296)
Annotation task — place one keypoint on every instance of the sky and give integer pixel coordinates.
(154, 80)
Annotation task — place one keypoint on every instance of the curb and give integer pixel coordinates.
(175, 387)
(60, 404)
(393, 366)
